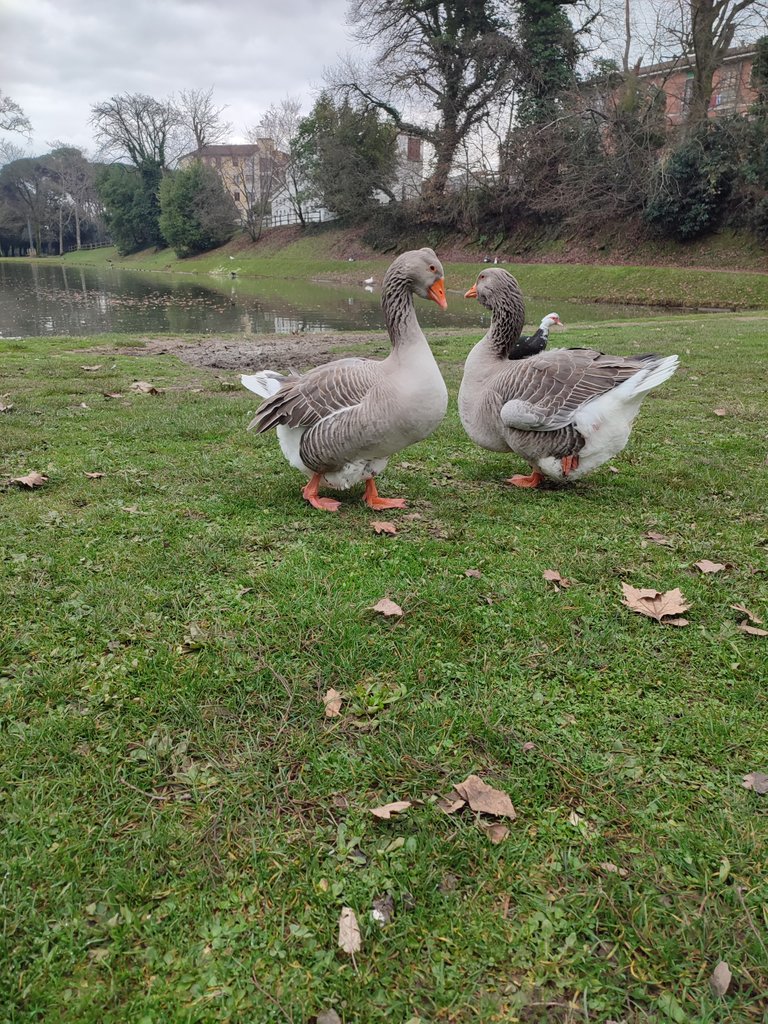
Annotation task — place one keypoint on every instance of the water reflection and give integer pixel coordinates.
(38, 299)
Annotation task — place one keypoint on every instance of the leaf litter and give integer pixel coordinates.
(387, 608)
(705, 566)
(553, 576)
(31, 480)
(349, 932)
(385, 812)
(665, 608)
(720, 979)
(332, 701)
(382, 526)
(757, 782)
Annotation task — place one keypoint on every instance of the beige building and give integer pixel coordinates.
(249, 172)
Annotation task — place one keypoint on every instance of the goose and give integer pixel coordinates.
(566, 411)
(340, 422)
(368, 280)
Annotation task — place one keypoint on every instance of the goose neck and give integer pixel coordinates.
(506, 326)
(399, 311)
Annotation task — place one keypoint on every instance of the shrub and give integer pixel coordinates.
(196, 211)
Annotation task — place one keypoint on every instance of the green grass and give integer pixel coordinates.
(181, 823)
(307, 259)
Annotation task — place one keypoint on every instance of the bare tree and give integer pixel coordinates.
(453, 57)
(201, 119)
(75, 176)
(137, 126)
(280, 124)
(12, 117)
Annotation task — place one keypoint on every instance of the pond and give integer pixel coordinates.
(38, 299)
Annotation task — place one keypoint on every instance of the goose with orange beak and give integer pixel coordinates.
(340, 423)
(566, 411)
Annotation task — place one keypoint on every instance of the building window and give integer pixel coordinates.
(726, 90)
(236, 196)
(414, 148)
(235, 162)
(688, 91)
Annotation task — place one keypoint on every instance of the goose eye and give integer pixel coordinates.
(433, 269)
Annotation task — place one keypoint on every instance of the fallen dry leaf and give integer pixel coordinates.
(332, 701)
(721, 978)
(383, 909)
(746, 611)
(574, 818)
(386, 811)
(387, 608)
(484, 798)
(94, 476)
(497, 832)
(384, 527)
(721, 412)
(349, 931)
(656, 605)
(6, 408)
(91, 369)
(327, 1017)
(553, 576)
(31, 480)
(145, 388)
(707, 567)
(612, 469)
(528, 746)
(612, 869)
(658, 538)
(474, 574)
(756, 781)
(752, 630)
(451, 803)
(112, 394)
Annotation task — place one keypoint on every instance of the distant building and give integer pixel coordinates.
(731, 91)
(249, 172)
(410, 167)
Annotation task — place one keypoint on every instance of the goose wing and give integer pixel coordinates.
(306, 400)
(546, 391)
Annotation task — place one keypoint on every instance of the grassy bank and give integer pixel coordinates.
(307, 258)
(182, 823)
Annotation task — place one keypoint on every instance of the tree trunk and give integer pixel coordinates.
(708, 50)
(435, 185)
(77, 226)
(61, 231)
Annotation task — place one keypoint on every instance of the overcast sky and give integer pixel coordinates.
(61, 56)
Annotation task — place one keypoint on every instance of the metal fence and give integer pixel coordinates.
(286, 217)
(88, 245)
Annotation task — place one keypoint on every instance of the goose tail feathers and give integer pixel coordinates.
(657, 371)
(264, 383)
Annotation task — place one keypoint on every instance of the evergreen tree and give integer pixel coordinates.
(196, 211)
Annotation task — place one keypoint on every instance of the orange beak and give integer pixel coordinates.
(472, 293)
(436, 292)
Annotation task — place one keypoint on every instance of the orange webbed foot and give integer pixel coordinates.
(518, 480)
(310, 494)
(372, 499)
(569, 463)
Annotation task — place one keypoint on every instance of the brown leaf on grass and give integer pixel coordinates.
(484, 798)
(386, 811)
(6, 408)
(497, 832)
(656, 605)
(332, 701)
(721, 977)
(327, 1017)
(706, 566)
(612, 469)
(553, 576)
(91, 369)
(474, 574)
(145, 388)
(384, 527)
(94, 476)
(752, 630)
(747, 612)
(720, 412)
(527, 747)
(31, 480)
(349, 931)
(658, 538)
(612, 869)
(756, 781)
(451, 803)
(112, 394)
(387, 608)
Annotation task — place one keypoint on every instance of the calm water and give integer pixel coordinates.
(36, 299)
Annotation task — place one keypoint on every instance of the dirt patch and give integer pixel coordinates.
(273, 351)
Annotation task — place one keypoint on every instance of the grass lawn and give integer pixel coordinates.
(182, 824)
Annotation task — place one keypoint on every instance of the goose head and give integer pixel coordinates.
(421, 272)
(495, 288)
